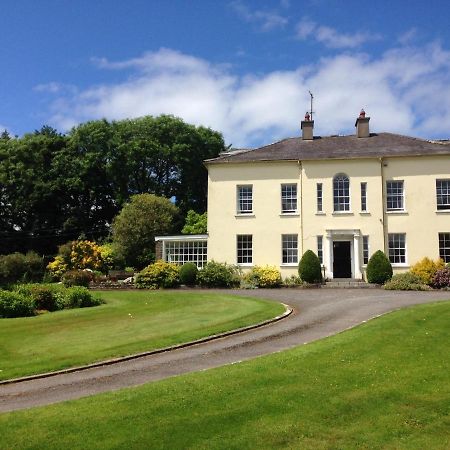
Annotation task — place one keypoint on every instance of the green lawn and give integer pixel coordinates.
(383, 385)
(129, 322)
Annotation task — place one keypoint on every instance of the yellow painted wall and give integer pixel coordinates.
(421, 222)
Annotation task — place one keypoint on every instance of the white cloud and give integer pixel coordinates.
(54, 87)
(307, 29)
(266, 20)
(404, 91)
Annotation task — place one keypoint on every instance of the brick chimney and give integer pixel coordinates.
(362, 125)
(307, 128)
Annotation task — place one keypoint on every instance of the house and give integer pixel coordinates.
(344, 197)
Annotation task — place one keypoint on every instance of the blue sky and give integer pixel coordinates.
(242, 67)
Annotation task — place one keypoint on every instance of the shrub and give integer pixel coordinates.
(188, 274)
(292, 281)
(57, 268)
(160, 274)
(426, 268)
(77, 278)
(407, 281)
(14, 304)
(379, 269)
(309, 268)
(220, 275)
(441, 278)
(79, 297)
(86, 255)
(43, 295)
(17, 267)
(264, 277)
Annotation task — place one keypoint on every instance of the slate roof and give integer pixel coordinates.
(378, 145)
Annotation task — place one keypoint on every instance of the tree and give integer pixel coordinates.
(309, 268)
(195, 223)
(379, 269)
(135, 228)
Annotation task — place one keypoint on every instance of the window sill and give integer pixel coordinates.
(400, 265)
(245, 264)
(244, 215)
(320, 213)
(442, 211)
(290, 214)
(289, 265)
(402, 212)
(343, 213)
(364, 213)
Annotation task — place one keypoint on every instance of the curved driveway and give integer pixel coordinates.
(317, 313)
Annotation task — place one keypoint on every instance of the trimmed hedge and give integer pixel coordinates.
(188, 274)
(379, 269)
(309, 269)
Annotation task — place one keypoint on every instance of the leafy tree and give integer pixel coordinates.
(309, 268)
(135, 228)
(195, 223)
(379, 269)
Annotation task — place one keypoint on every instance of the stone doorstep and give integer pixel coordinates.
(349, 283)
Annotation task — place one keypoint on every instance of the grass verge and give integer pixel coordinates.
(130, 322)
(383, 385)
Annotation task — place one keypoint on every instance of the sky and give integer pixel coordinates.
(241, 67)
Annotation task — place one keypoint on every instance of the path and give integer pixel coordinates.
(317, 313)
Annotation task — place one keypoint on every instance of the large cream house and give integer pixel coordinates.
(344, 197)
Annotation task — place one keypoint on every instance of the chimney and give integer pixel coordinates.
(307, 128)
(362, 125)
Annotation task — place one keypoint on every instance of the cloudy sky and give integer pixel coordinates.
(242, 67)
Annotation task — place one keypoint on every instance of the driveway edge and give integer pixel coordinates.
(108, 362)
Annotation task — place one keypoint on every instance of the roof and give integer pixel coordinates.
(378, 145)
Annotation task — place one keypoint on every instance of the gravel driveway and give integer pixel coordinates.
(317, 313)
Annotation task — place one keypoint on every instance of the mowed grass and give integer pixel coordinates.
(129, 322)
(383, 385)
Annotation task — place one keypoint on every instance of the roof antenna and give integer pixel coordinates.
(311, 112)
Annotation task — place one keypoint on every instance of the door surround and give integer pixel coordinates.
(354, 237)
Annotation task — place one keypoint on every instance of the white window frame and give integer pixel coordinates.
(244, 249)
(319, 197)
(395, 197)
(364, 196)
(341, 193)
(366, 250)
(443, 194)
(289, 195)
(244, 199)
(444, 246)
(397, 249)
(289, 249)
(320, 248)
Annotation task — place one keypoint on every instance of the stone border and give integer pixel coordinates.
(288, 311)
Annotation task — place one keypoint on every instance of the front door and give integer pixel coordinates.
(342, 263)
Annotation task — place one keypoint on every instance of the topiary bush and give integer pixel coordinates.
(379, 269)
(441, 278)
(264, 277)
(77, 278)
(426, 268)
(219, 275)
(160, 274)
(406, 282)
(188, 274)
(309, 269)
(14, 304)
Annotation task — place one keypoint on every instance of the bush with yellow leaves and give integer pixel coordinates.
(426, 269)
(264, 277)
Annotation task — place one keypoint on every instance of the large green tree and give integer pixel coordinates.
(135, 228)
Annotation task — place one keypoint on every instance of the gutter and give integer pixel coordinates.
(383, 205)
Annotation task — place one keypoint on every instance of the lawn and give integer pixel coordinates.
(129, 322)
(383, 385)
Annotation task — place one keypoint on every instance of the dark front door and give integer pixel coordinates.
(342, 265)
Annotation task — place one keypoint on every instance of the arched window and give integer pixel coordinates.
(341, 192)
